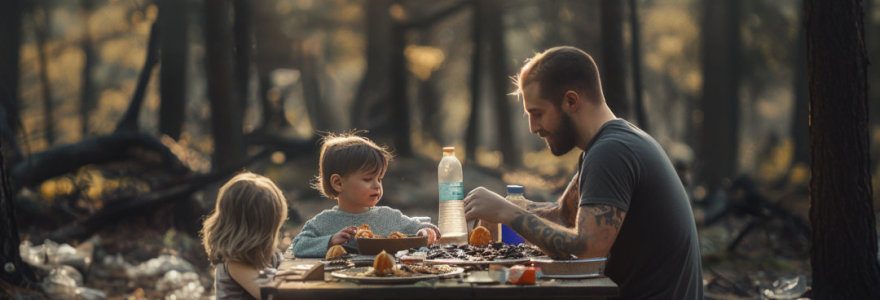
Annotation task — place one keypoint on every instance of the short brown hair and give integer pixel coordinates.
(347, 153)
(246, 221)
(558, 70)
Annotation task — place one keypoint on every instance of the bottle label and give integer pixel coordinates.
(451, 191)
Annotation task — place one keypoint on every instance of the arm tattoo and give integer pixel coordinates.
(556, 242)
(609, 215)
(547, 210)
(598, 225)
(570, 201)
(564, 211)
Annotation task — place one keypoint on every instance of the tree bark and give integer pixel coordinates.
(87, 87)
(720, 104)
(473, 127)
(244, 43)
(226, 113)
(14, 270)
(10, 34)
(843, 252)
(273, 51)
(638, 104)
(800, 127)
(174, 40)
(374, 86)
(320, 119)
(41, 29)
(399, 103)
(613, 66)
(129, 121)
(512, 155)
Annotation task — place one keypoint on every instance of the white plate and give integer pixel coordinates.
(570, 276)
(352, 274)
(461, 262)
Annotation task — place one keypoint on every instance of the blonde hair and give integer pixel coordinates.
(246, 222)
(347, 153)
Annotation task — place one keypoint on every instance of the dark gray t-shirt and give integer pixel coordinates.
(656, 254)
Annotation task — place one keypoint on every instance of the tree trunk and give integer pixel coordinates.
(638, 104)
(800, 127)
(399, 103)
(321, 120)
(129, 121)
(10, 34)
(613, 66)
(374, 87)
(41, 29)
(843, 252)
(470, 141)
(174, 42)
(720, 103)
(512, 155)
(273, 51)
(15, 271)
(244, 43)
(226, 113)
(432, 126)
(87, 87)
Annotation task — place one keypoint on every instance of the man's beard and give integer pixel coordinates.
(563, 140)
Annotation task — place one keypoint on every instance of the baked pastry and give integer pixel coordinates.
(335, 251)
(480, 236)
(383, 264)
(364, 231)
(397, 235)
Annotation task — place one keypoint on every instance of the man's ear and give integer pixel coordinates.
(336, 182)
(571, 101)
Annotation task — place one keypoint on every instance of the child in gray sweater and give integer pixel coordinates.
(351, 169)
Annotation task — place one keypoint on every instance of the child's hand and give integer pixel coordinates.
(432, 232)
(343, 235)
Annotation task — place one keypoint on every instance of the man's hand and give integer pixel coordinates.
(343, 235)
(488, 206)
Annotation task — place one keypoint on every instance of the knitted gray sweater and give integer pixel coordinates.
(314, 239)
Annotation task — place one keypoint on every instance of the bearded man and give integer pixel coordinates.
(625, 202)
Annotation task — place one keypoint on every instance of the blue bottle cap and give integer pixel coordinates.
(515, 189)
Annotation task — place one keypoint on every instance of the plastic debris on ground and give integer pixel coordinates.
(51, 253)
(791, 287)
(161, 265)
(180, 285)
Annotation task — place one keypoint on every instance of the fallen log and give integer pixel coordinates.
(120, 208)
(102, 149)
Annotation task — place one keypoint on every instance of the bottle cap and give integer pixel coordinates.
(515, 189)
(448, 149)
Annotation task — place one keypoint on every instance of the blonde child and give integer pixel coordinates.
(351, 169)
(241, 234)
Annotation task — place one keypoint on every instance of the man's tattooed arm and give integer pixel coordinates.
(596, 230)
(563, 211)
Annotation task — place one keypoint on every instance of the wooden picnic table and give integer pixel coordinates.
(286, 287)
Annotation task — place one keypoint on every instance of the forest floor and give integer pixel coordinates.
(130, 260)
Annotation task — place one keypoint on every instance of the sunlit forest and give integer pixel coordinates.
(122, 118)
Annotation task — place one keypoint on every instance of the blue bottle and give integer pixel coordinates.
(515, 196)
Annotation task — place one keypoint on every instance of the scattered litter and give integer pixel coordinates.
(789, 287)
(61, 283)
(161, 265)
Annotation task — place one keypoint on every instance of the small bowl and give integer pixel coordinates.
(585, 266)
(373, 246)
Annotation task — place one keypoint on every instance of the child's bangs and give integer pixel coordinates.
(374, 162)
